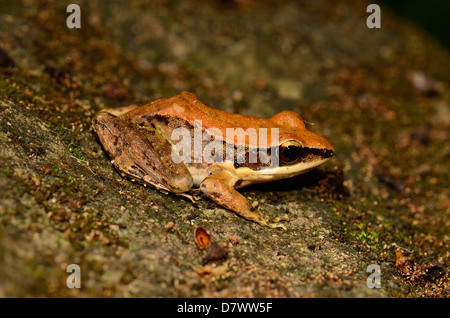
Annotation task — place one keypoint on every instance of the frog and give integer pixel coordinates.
(142, 142)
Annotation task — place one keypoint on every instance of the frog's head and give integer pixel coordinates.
(297, 151)
(296, 142)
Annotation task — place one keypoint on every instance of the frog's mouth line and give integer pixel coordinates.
(311, 154)
(248, 176)
(307, 155)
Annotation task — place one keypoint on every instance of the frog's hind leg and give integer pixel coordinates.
(141, 154)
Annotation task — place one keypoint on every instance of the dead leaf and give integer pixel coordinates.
(201, 238)
(215, 251)
(403, 264)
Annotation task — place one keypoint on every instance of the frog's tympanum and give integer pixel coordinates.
(178, 143)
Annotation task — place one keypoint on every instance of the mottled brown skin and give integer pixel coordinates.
(188, 107)
(137, 139)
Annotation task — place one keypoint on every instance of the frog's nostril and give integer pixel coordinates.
(324, 153)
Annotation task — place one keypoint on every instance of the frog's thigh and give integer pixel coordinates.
(219, 187)
(141, 154)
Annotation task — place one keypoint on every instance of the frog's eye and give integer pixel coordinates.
(290, 151)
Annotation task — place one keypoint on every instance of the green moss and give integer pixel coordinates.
(365, 235)
(9, 172)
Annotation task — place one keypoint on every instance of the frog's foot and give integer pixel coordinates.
(219, 188)
(192, 198)
(276, 222)
(273, 223)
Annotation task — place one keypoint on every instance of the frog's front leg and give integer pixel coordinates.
(141, 154)
(219, 187)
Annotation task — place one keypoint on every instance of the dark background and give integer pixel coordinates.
(432, 16)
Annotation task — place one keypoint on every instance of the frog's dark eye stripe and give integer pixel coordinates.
(290, 152)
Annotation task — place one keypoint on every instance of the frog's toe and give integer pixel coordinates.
(273, 223)
(277, 226)
(278, 219)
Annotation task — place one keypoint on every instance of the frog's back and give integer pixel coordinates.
(185, 109)
(186, 106)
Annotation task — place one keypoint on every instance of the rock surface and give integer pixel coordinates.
(379, 95)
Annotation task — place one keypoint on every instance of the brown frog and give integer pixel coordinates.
(178, 143)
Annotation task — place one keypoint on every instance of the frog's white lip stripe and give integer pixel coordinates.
(249, 176)
(281, 172)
